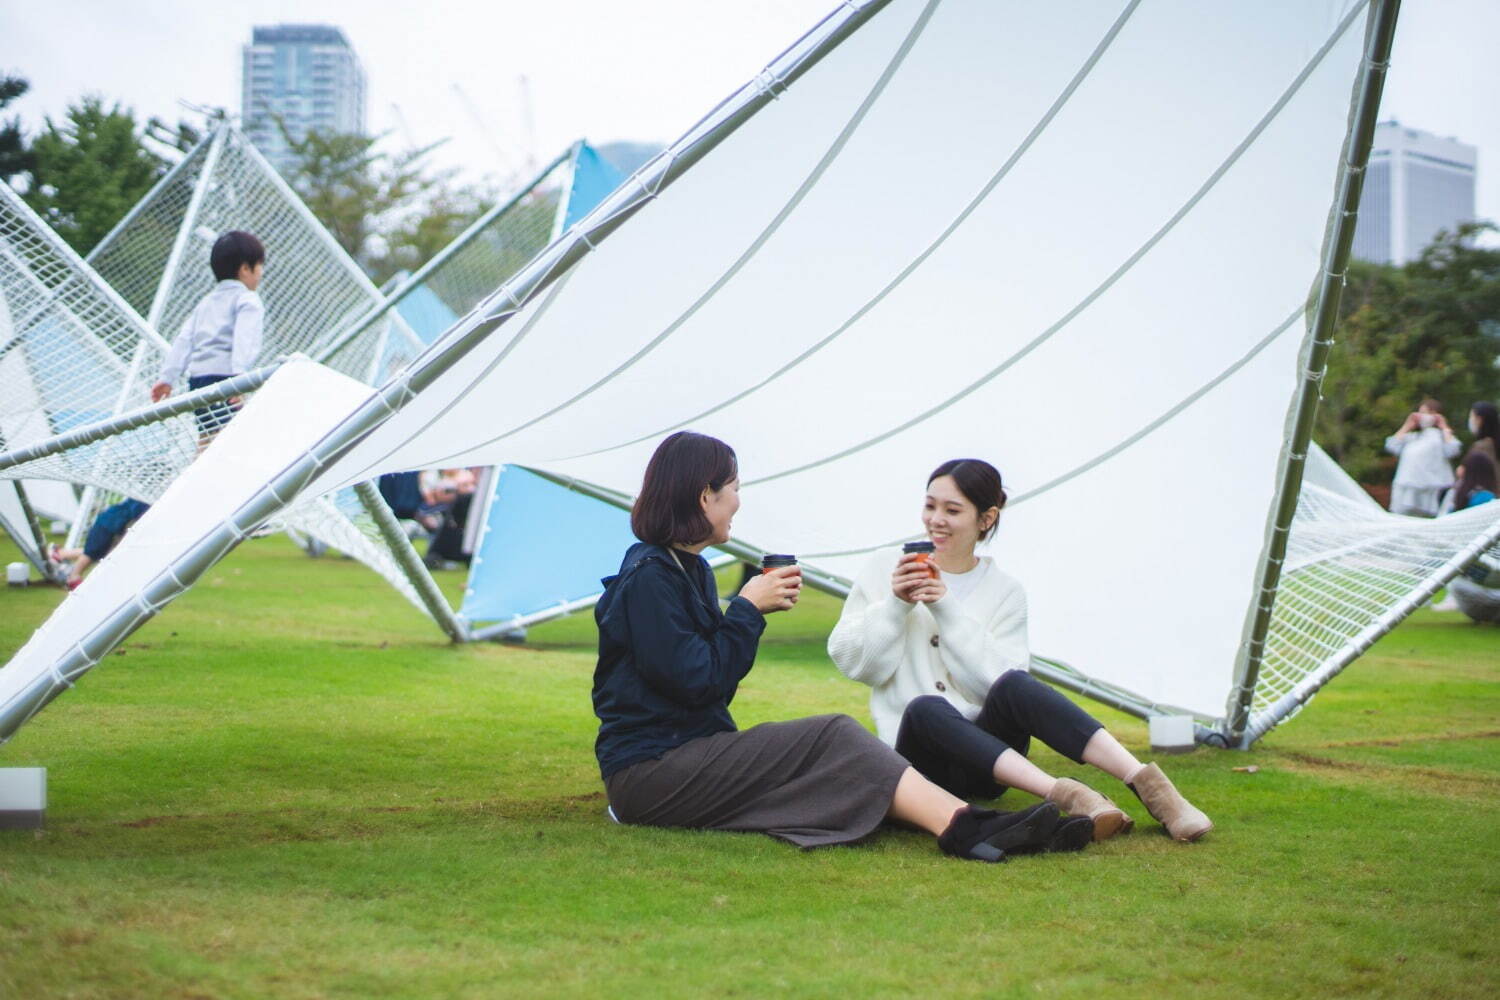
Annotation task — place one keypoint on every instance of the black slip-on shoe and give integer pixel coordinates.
(1072, 834)
(986, 835)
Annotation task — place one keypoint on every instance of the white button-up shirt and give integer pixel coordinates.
(220, 337)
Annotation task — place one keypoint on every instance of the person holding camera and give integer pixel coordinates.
(1423, 446)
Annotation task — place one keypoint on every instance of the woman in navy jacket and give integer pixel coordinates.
(670, 662)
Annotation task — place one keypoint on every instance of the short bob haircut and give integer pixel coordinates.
(979, 482)
(232, 250)
(667, 511)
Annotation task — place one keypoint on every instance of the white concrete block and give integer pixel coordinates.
(23, 797)
(1171, 733)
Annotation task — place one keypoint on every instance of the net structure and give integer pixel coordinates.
(1352, 572)
(387, 338)
(760, 268)
(313, 287)
(73, 353)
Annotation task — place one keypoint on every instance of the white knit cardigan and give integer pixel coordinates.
(950, 649)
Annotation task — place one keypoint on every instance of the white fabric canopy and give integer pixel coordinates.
(1073, 239)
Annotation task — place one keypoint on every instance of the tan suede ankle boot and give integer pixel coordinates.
(1077, 799)
(1165, 802)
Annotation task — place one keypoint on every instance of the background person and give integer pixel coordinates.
(1484, 424)
(104, 534)
(1476, 481)
(1424, 445)
(450, 498)
(670, 662)
(221, 337)
(1475, 591)
(945, 655)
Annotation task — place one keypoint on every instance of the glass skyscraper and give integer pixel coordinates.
(308, 76)
(1416, 185)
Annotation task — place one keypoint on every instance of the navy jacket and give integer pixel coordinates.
(669, 659)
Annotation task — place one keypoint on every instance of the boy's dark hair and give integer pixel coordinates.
(233, 249)
(979, 482)
(667, 511)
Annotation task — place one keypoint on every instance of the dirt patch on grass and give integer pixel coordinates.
(1417, 780)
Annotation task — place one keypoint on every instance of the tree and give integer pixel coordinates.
(443, 215)
(1429, 328)
(385, 209)
(87, 172)
(15, 158)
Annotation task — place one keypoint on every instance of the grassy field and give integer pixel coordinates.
(287, 786)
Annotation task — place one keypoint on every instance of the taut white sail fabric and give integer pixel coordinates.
(1075, 239)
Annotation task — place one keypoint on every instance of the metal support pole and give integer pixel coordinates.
(410, 563)
(38, 537)
(1379, 34)
(156, 412)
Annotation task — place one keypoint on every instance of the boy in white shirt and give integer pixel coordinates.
(221, 336)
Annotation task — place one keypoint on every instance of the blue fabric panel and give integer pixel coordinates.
(594, 178)
(542, 546)
(425, 313)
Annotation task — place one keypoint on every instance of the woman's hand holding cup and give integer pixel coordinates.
(777, 589)
(913, 579)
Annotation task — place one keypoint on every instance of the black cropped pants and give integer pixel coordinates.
(960, 755)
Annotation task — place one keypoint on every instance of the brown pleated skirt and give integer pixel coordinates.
(812, 782)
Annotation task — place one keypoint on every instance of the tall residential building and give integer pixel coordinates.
(1417, 184)
(308, 76)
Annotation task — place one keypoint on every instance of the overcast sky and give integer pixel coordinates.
(601, 69)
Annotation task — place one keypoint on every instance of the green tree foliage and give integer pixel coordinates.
(1429, 328)
(15, 158)
(444, 214)
(385, 209)
(89, 170)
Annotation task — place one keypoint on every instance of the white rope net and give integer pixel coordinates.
(133, 256)
(73, 352)
(1352, 572)
(460, 277)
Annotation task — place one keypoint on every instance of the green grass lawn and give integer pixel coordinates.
(287, 785)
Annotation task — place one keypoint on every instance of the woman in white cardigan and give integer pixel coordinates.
(944, 650)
